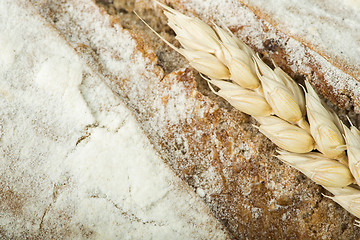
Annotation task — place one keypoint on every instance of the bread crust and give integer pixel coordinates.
(210, 145)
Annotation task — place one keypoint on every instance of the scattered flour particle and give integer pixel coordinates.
(196, 180)
(200, 192)
(246, 189)
(256, 212)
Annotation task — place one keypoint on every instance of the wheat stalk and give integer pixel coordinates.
(297, 121)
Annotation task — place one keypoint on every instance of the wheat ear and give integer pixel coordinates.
(278, 103)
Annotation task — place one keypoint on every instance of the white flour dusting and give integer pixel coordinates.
(74, 162)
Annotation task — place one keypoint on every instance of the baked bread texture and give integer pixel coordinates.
(75, 163)
(211, 146)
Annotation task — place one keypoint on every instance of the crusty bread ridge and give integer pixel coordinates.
(208, 144)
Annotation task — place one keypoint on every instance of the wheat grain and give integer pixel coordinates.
(348, 198)
(323, 128)
(283, 95)
(352, 139)
(285, 135)
(322, 170)
(238, 58)
(203, 61)
(242, 99)
(221, 56)
(206, 63)
(192, 33)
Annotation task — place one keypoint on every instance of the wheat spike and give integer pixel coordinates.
(261, 91)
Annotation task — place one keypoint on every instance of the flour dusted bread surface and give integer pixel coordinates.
(77, 179)
(74, 162)
(328, 27)
(212, 147)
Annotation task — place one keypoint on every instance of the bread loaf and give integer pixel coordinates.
(75, 163)
(210, 145)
